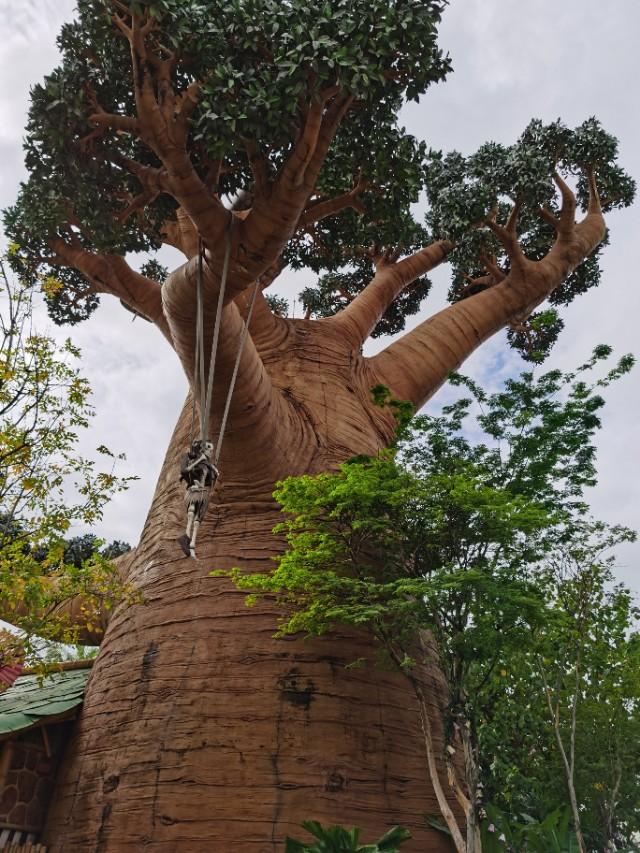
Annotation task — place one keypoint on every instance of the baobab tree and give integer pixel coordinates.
(255, 136)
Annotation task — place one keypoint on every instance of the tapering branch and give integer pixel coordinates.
(493, 276)
(563, 224)
(308, 142)
(153, 179)
(259, 169)
(507, 234)
(181, 234)
(363, 314)
(162, 123)
(567, 219)
(322, 208)
(415, 366)
(111, 274)
(271, 222)
(595, 204)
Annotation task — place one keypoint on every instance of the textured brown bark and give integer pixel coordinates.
(201, 732)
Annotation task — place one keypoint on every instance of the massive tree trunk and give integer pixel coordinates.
(200, 731)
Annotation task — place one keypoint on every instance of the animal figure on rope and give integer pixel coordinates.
(200, 475)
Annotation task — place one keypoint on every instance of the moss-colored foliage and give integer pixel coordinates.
(462, 189)
(46, 486)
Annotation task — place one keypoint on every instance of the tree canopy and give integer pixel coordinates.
(240, 87)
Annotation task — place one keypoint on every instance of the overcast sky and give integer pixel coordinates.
(513, 60)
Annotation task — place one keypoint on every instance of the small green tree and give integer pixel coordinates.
(440, 547)
(46, 486)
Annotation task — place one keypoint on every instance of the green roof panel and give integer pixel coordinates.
(32, 699)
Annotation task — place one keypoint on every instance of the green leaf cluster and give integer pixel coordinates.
(336, 839)
(260, 63)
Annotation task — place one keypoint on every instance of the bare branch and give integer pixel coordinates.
(568, 208)
(595, 205)
(308, 142)
(549, 217)
(507, 234)
(259, 168)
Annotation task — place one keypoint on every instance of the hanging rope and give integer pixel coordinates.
(200, 465)
(206, 394)
(205, 411)
(198, 360)
(234, 375)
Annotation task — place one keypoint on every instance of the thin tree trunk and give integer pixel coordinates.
(472, 776)
(567, 763)
(200, 732)
(445, 809)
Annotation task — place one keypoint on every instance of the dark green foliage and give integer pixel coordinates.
(278, 304)
(259, 62)
(500, 833)
(535, 338)
(153, 269)
(552, 834)
(258, 59)
(462, 190)
(79, 549)
(336, 839)
(586, 652)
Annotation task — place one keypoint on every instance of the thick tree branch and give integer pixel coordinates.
(322, 208)
(565, 222)
(153, 179)
(508, 234)
(273, 219)
(363, 313)
(254, 396)
(162, 123)
(181, 234)
(415, 366)
(112, 274)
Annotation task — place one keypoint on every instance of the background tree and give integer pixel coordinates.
(296, 103)
(567, 728)
(49, 587)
